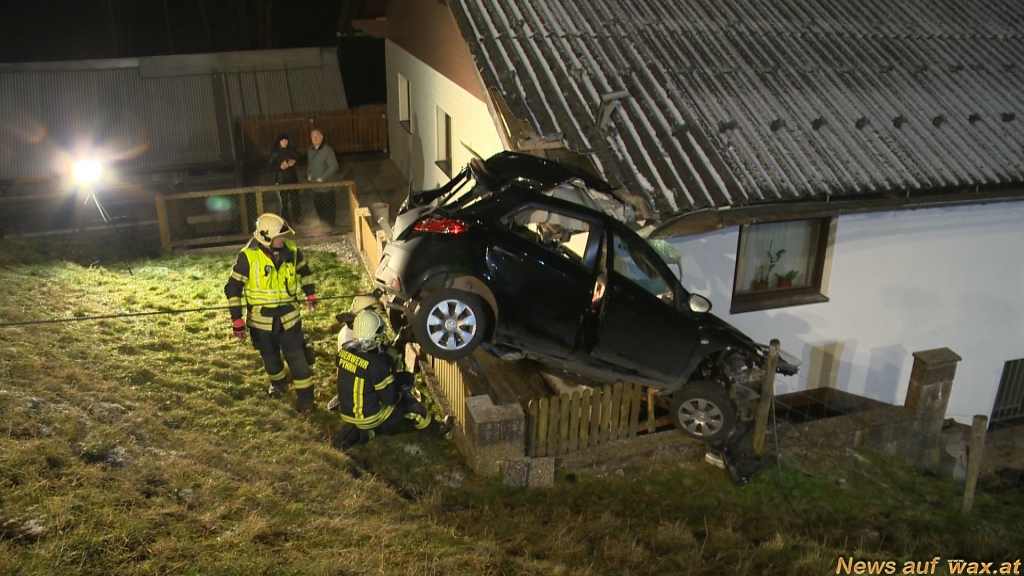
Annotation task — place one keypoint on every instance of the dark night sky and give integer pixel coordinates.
(47, 30)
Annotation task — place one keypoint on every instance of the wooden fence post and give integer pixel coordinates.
(542, 428)
(165, 227)
(531, 438)
(563, 425)
(634, 410)
(765, 402)
(574, 422)
(650, 410)
(554, 411)
(597, 414)
(976, 451)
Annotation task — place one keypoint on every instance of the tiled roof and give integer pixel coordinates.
(746, 102)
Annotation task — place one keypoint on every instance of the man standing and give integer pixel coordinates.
(272, 276)
(321, 168)
(375, 392)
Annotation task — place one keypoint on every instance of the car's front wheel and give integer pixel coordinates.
(704, 411)
(450, 323)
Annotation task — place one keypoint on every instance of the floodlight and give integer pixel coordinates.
(87, 171)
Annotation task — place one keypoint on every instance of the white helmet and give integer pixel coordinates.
(368, 327)
(270, 226)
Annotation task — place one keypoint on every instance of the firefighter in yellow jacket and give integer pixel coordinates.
(375, 392)
(272, 279)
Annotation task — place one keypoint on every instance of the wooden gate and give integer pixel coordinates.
(565, 423)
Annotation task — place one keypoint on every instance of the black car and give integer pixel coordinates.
(534, 259)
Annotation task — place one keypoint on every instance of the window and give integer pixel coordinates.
(780, 264)
(634, 264)
(444, 142)
(404, 103)
(564, 235)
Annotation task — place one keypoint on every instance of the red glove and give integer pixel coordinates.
(311, 302)
(238, 328)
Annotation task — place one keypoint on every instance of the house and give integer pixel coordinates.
(848, 178)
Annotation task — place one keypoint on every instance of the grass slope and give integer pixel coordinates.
(148, 446)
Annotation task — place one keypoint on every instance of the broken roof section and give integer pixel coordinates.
(697, 104)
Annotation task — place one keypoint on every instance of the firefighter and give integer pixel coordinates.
(359, 303)
(273, 278)
(375, 391)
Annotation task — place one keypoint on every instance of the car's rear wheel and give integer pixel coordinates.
(704, 411)
(450, 323)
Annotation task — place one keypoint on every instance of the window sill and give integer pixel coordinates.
(776, 299)
(445, 167)
(406, 124)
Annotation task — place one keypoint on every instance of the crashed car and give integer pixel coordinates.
(534, 259)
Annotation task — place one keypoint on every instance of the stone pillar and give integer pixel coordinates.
(493, 434)
(931, 381)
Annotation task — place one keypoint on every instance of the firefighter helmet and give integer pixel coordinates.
(360, 303)
(270, 226)
(368, 327)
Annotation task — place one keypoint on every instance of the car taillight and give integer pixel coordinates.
(441, 225)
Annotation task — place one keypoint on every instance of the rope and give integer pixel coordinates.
(158, 312)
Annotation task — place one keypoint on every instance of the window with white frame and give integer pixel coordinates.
(444, 142)
(780, 264)
(404, 103)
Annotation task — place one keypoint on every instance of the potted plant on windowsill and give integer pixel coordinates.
(764, 271)
(786, 280)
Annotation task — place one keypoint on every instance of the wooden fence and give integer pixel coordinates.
(565, 423)
(213, 217)
(449, 378)
(363, 129)
(369, 239)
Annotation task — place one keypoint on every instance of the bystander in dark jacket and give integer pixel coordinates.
(282, 163)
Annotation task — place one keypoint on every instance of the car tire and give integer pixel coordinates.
(703, 410)
(449, 323)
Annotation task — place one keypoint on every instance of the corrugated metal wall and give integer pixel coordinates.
(741, 102)
(50, 115)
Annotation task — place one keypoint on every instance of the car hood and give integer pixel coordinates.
(711, 322)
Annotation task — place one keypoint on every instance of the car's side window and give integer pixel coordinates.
(564, 235)
(634, 264)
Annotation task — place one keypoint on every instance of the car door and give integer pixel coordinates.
(541, 262)
(641, 328)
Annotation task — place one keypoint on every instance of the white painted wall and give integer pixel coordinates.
(900, 282)
(416, 152)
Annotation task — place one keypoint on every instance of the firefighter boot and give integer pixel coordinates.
(277, 388)
(305, 398)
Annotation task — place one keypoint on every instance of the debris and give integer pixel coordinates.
(412, 450)
(715, 458)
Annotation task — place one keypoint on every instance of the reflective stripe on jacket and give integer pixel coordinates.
(366, 389)
(268, 291)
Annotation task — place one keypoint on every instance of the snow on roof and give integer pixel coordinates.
(749, 102)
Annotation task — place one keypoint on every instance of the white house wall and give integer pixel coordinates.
(900, 282)
(414, 151)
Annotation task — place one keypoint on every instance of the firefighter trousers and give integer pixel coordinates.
(291, 343)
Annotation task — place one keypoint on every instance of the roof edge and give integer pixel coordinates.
(711, 219)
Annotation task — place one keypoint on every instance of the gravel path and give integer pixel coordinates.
(340, 246)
